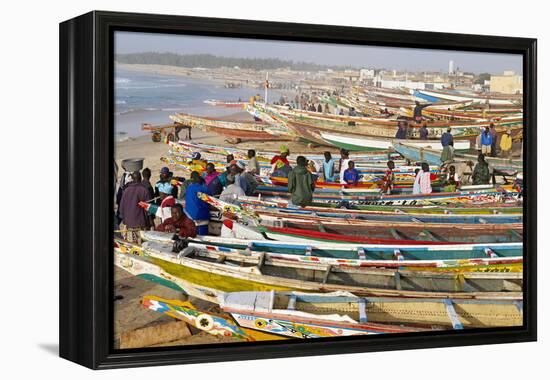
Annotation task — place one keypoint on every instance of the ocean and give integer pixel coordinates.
(152, 98)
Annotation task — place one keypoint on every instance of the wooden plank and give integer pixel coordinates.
(451, 312)
(291, 302)
(362, 310)
(429, 235)
(395, 234)
(515, 234)
(152, 335)
(261, 261)
(397, 277)
(327, 273)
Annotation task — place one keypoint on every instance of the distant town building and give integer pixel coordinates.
(365, 74)
(451, 67)
(507, 83)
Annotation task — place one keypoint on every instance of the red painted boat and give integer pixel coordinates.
(325, 236)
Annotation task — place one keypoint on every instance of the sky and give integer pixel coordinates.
(320, 53)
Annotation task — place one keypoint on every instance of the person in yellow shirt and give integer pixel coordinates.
(506, 144)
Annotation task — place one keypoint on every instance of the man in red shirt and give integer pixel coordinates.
(178, 223)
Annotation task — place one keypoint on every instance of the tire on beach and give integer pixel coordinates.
(156, 137)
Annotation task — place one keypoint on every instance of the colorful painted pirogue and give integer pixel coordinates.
(253, 317)
(258, 309)
(433, 157)
(482, 311)
(319, 277)
(399, 232)
(450, 209)
(310, 129)
(185, 311)
(251, 130)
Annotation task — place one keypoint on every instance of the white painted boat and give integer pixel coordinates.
(376, 143)
(460, 97)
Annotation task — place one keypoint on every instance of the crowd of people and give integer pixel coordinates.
(144, 206)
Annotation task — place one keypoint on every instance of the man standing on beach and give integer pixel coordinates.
(328, 167)
(423, 132)
(301, 184)
(253, 165)
(494, 137)
(401, 130)
(133, 216)
(486, 142)
(195, 208)
(446, 138)
(388, 180)
(344, 159)
(506, 144)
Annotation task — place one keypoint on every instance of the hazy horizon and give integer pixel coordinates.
(402, 59)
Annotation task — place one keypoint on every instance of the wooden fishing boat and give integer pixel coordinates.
(359, 143)
(290, 234)
(225, 103)
(314, 277)
(460, 209)
(358, 250)
(450, 313)
(455, 234)
(256, 317)
(393, 217)
(239, 129)
(492, 195)
(266, 156)
(475, 310)
(433, 157)
(481, 98)
(482, 265)
(261, 311)
(208, 322)
(275, 219)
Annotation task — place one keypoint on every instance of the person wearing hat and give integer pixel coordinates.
(133, 216)
(245, 180)
(165, 177)
(280, 167)
(232, 191)
(506, 144)
(196, 162)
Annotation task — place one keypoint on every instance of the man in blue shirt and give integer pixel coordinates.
(446, 138)
(195, 208)
(486, 142)
(351, 175)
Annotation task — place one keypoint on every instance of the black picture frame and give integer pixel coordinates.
(86, 187)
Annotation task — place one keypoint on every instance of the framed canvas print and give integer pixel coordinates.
(266, 190)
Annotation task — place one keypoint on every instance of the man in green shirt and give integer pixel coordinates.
(301, 184)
